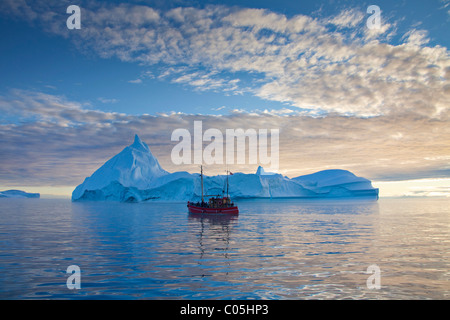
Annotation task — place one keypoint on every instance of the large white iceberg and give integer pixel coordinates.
(135, 175)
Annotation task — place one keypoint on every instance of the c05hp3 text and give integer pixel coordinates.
(245, 309)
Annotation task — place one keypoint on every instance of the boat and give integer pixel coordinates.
(216, 204)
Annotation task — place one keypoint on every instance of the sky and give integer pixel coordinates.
(375, 101)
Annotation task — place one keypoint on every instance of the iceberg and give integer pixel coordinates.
(18, 194)
(134, 167)
(135, 175)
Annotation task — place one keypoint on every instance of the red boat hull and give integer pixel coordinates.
(203, 210)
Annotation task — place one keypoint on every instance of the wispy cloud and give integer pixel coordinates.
(321, 64)
(45, 108)
(430, 191)
(446, 6)
(135, 81)
(200, 80)
(348, 18)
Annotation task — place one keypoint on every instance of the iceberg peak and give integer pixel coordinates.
(135, 166)
(262, 172)
(139, 144)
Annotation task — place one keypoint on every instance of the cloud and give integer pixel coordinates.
(354, 100)
(446, 6)
(206, 81)
(416, 37)
(347, 18)
(45, 108)
(320, 64)
(136, 81)
(60, 142)
(429, 191)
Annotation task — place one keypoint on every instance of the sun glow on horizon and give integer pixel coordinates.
(414, 188)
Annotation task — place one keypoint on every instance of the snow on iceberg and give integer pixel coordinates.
(18, 194)
(135, 175)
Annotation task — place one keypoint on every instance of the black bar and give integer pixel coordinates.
(225, 309)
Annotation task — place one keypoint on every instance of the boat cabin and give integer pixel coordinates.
(220, 202)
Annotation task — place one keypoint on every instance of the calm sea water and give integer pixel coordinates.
(279, 249)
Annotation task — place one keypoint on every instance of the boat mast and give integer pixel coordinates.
(227, 183)
(201, 177)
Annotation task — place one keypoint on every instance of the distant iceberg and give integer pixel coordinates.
(18, 194)
(135, 175)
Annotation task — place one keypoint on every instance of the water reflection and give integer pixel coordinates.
(213, 233)
(286, 248)
(274, 249)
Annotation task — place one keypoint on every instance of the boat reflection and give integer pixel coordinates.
(215, 242)
(217, 219)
